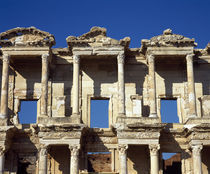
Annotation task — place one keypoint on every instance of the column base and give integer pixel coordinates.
(3, 116)
(153, 115)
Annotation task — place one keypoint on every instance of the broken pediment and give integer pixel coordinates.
(29, 37)
(96, 37)
(168, 39)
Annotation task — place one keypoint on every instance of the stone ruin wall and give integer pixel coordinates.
(94, 66)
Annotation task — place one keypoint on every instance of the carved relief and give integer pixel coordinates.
(122, 148)
(154, 148)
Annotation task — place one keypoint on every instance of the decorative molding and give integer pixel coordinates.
(122, 148)
(154, 148)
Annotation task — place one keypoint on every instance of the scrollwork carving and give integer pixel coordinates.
(122, 148)
(196, 149)
(74, 150)
(154, 148)
(6, 58)
(121, 58)
(76, 59)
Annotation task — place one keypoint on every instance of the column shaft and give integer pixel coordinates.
(197, 163)
(1, 163)
(154, 158)
(123, 159)
(74, 163)
(44, 96)
(152, 86)
(43, 161)
(76, 67)
(4, 86)
(121, 84)
(191, 86)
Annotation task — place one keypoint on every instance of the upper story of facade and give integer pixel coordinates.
(64, 81)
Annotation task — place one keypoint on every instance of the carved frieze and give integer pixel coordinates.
(30, 37)
(138, 135)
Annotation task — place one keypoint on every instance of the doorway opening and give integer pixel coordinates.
(99, 113)
(28, 112)
(171, 163)
(169, 111)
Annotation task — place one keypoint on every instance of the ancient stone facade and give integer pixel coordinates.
(63, 81)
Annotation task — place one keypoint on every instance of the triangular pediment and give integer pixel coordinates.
(26, 37)
(96, 37)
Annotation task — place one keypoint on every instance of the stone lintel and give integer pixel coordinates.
(70, 142)
(170, 51)
(138, 141)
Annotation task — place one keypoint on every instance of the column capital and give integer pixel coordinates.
(76, 58)
(74, 149)
(189, 57)
(196, 149)
(154, 148)
(43, 150)
(121, 58)
(6, 58)
(122, 148)
(45, 57)
(150, 58)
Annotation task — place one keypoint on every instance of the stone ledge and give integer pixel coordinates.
(57, 120)
(144, 120)
(198, 120)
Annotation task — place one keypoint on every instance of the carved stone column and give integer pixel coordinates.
(154, 158)
(43, 160)
(123, 158)
(2, 160)
(197, 163)
(121, 84)
(44, 96)
(4, 86)
(76, 67)
(186, 161)
(191, 86)
(74, 162)
(152, 86)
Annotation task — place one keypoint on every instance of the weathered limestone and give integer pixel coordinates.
(154, 158)
(44, 96)
(122, 148)
(74, 162)
(76, 65)
(197, 163)
(2, 160)
(152, 85)
(121, 84)
(4, 86)
(191, 86)
(43, 160)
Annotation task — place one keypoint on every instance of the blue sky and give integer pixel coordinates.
(135, 18)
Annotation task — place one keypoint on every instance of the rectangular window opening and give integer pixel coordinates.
(169, 111)
(99, 161)
(171, 163)
(99, 113)
(28, 112)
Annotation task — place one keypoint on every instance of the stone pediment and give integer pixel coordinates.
(26, 37)
(96, 37)
(169, 39)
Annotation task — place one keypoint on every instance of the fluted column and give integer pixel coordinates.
(152, 86)
(197, 163)
(4, 86)
(74, 162)
(123, 158)
(2, 158)
(191, 86)
(154, 158)
(121, 84)
(76, 66)
(44, 96)
(43, 160)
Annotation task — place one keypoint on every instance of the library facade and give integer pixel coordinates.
(64, 84)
